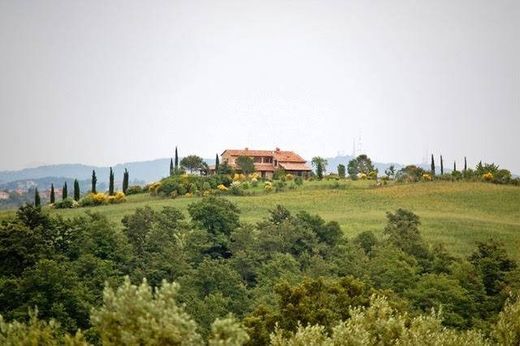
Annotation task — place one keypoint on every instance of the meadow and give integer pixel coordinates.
(457, 214)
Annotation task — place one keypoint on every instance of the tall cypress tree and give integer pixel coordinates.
(217, 163)
(125, 181)
(53, 197)
(171, 167)
(94, 182)
(176, 161)
(465, 164)
(319, 170)
(442, 166)
(111, 183)
(37, 200)
(433, 166)
(454, 166)
(77, 193)
(64, 192)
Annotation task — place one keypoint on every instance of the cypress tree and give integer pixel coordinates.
(111, 183)
(53, 197)
(176, 161)
(171, 167)
(442, 166)
(94, 182)
(319, 171)
(454, 166)
(77, 193)
(64, 192)
(433, 166)
(217, 163)
(465, 164)
(125, 181)
(37, 200)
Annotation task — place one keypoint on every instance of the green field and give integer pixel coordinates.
(457, 214)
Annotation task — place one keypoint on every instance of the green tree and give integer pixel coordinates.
(53, 196)
(126, 179)
(77, 192)
(341, 170)
(37, 200)
(217, 163)
(138, 315)
(432, 170)
(245, 164)
(390, 172)
(94, 182)
(361, 164)
(319, 170)
(465, 164)
(172, 169)
(442, 166)
(176, 168)
(319, 161)
(225, 168)
(111, 182)
(454, 166)
(192, 162)
(64, 192)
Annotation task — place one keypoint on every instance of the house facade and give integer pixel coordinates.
(268, 161)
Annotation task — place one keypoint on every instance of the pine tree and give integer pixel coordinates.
(111, 183)
(171, 167)
(442, 166)
(53, 197)
(77, 192)
(465, 164)
(176, 161)
(217, 163)
(454, 166)
(125, 181)
(433, 166)
(37, 200)
(94, 182)
(64, 192)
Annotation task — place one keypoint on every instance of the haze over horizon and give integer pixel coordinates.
(102, 83)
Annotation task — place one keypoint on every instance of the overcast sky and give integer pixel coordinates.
(103, 82)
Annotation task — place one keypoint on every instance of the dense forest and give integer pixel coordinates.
(293, 278)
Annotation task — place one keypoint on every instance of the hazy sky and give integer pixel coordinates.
(102, 82)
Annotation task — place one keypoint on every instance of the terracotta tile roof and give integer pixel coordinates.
(266, 167)
(291, 166)
(279, 155)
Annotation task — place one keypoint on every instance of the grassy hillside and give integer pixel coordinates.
(457, 214)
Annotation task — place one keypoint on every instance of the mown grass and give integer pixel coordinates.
(457, 214)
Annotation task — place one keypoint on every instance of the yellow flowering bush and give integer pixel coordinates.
(487, 176)
(154, 187)
(222, 188)
(268, 186)
(254, 176)
(427, 177)
(362, 176)
(99, 198)
(289, 177)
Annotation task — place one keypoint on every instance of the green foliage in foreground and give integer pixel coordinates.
(291, 278)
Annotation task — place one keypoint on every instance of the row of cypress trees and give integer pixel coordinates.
(442, 165)
(77, 192)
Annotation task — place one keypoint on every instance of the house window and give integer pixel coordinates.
(258, 160)
(276, 162)
(268, 160)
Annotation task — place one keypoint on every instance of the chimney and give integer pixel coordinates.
(247, 148)
(277, 149)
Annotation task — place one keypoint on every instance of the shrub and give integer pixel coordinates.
(487, 176)
(426, 177)
(289, 177)
(134, 189)
(65, 204)
(222, 188)
(280, 185)
(268, 186)
(93, 199)
(236, 188)
(298, 181)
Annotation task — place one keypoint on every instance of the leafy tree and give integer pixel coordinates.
(341, 170)
(319, 161)
(53, 196)
(217, 163)
(77, 193)
(64, 192)
(366, 240)
(390, 171)
(225, 168)
(94, 182)
(361, 164)
(126, 179)
(245, 164)
(319, 170)
(138, 315)
(432, 170)
(442, 166)
(192, 162)
(37, 200)
(111, 183)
